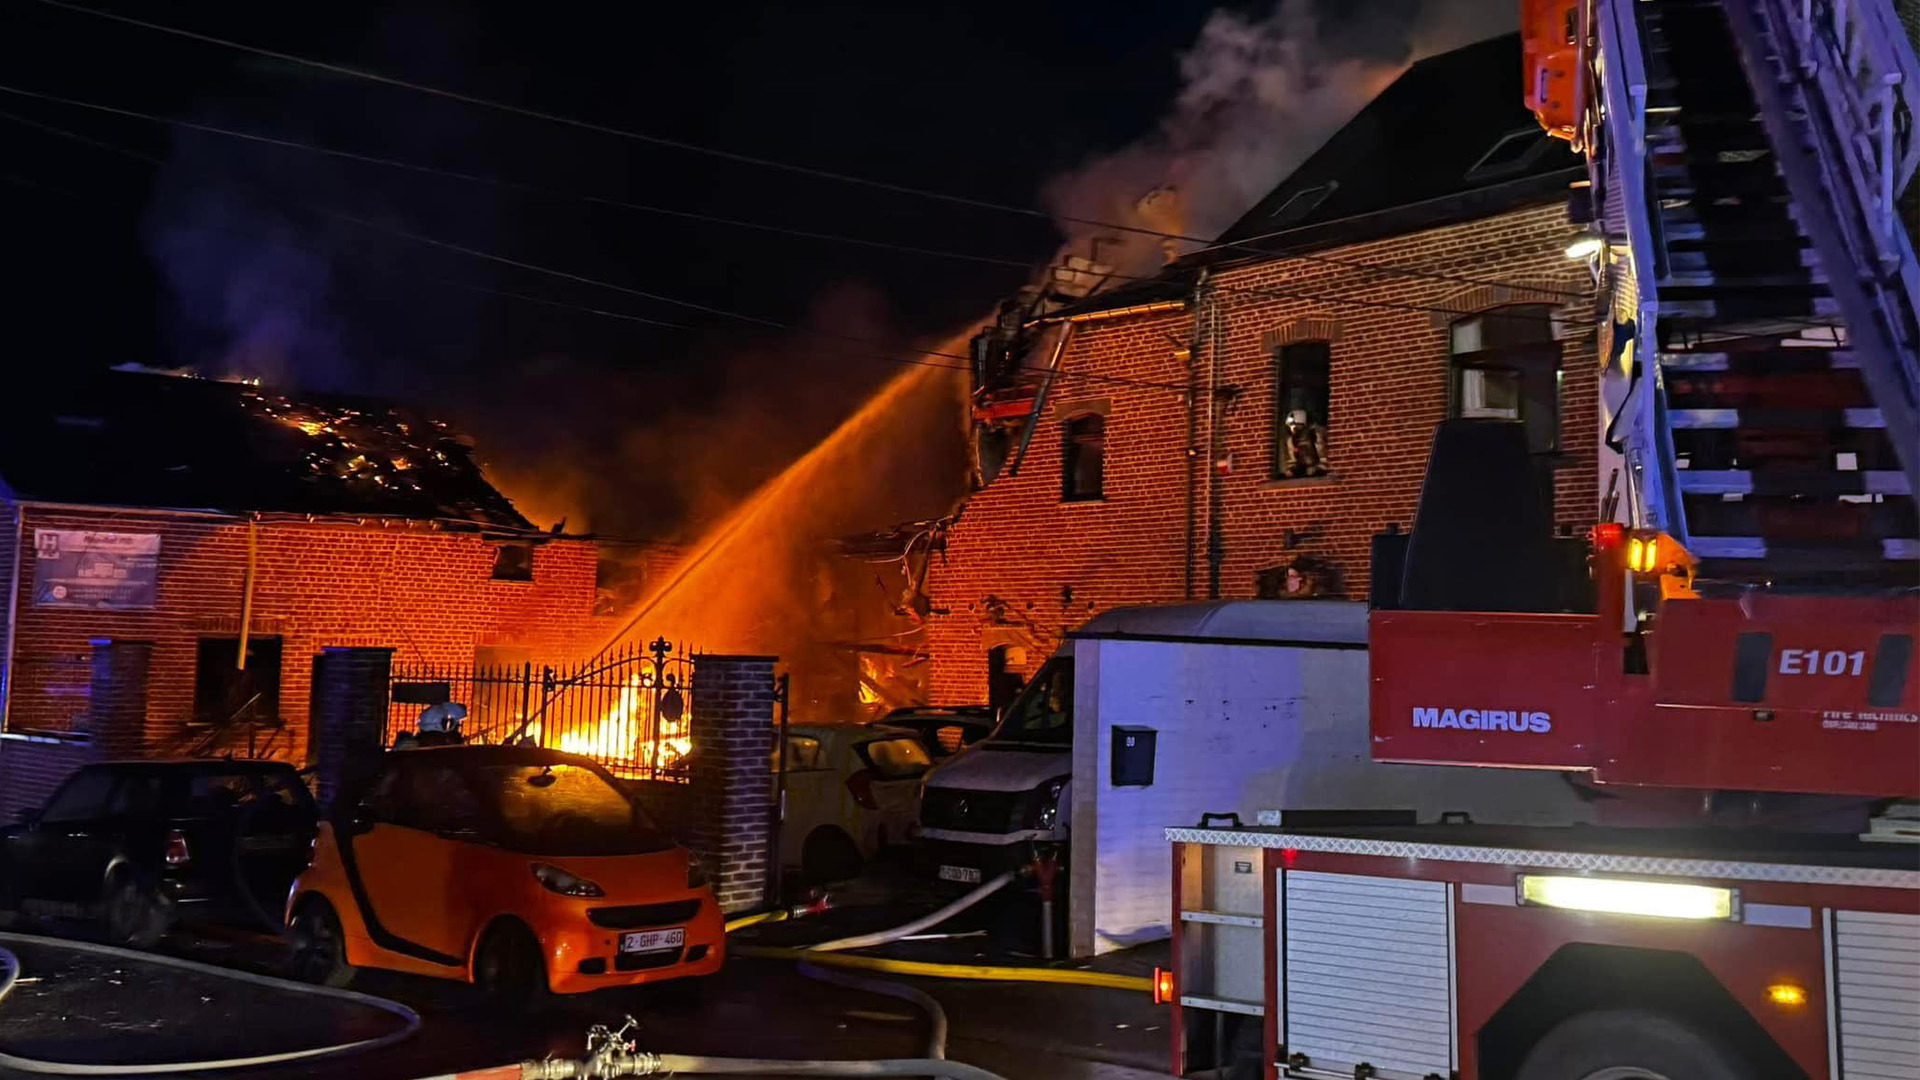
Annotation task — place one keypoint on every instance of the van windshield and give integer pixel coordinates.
(1043, 713)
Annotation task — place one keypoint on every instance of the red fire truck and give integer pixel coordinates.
(1737, 632)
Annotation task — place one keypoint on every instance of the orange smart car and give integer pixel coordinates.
(521, 869)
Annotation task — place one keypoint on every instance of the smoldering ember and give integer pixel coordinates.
(975, 541)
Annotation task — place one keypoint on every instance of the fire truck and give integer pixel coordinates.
(1737, 630)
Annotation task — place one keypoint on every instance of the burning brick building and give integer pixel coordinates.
(211, 538)
(1242, 424)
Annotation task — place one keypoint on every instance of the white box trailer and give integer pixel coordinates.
(1249, 706)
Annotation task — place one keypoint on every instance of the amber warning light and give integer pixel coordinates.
(1162, 986)
(1787, 994)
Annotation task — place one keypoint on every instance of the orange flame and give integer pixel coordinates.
(628, 739)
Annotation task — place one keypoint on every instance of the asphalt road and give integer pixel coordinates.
(82, 1008)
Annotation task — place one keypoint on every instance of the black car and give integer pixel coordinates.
(137, 844)
(946, 730)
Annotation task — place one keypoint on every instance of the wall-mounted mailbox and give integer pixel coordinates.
(1132, 756)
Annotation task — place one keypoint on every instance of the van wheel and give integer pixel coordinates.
(1629, 1045)
(828, 856)
(509, 966)
(133, 913)
(319, 947)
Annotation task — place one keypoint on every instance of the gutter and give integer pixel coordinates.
(328, 517)
(1113, 313)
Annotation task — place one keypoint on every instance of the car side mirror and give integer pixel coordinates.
(360, 824)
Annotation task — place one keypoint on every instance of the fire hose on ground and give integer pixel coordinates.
(10, 971)
(611, 1055)
(829, 953)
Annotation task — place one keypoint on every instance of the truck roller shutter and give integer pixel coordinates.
(1367, 974)
(1876, 977)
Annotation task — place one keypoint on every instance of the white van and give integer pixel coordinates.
(983, 810)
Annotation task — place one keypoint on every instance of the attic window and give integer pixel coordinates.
(1302, 202)
(513, 562)
(1510, 154)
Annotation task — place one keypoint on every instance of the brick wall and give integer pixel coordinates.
(428, 595)
(1017, 549)
(1021, 567)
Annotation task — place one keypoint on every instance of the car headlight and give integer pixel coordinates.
(1044, 809)
(558, 880)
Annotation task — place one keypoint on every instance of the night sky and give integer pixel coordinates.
(238, 258)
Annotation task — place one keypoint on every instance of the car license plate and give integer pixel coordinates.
(964, 874)
(653, 940)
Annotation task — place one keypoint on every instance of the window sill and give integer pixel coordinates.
(1099, 501)
(1290, 483)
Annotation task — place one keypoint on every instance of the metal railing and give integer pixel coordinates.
(629, 710)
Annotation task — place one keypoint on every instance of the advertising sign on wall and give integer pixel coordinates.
(102, 571)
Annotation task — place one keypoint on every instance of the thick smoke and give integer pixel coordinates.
(1258, 96)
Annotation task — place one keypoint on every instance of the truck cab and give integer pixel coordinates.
(985, 810)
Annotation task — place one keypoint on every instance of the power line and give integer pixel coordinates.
(757, 160)
(1262, 292)
(515, 185)
(964, 363)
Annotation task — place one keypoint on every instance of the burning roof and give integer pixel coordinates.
(137, 439)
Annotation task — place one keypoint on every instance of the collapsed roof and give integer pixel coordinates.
(154, 441)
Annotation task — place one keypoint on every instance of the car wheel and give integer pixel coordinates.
(132, 913)
(509, 966)
(319, 946)
(829, 855)
(1629, 1045)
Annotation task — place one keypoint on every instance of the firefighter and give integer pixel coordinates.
(1306, 446)
(440, 725)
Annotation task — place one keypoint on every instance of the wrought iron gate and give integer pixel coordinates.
(629, 710)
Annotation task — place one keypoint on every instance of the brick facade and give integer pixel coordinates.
(426, 594)
(1022, 567)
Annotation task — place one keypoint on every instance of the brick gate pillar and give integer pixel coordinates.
(732, 734)
(117, 698)
(349, 717)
